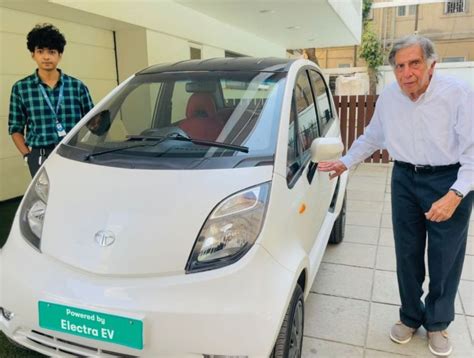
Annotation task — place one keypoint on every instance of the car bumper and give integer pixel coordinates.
(236, 310)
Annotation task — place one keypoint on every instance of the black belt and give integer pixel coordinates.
(426, 168)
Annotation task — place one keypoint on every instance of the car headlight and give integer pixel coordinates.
(230, 230)
(33, 210)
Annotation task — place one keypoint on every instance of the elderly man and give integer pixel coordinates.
(425, 120)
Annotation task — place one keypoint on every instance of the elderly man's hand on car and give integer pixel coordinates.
(335, 168)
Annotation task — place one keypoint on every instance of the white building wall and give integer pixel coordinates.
(164, 48)
(85, 45)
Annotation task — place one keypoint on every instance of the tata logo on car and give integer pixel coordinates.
(104, 238)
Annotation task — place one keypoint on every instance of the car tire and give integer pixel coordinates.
(338, 230)
(289, 343)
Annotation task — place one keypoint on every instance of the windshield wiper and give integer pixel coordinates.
(160, 139)
(180, 137)
(157, 139)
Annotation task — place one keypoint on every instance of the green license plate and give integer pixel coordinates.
(95, 325)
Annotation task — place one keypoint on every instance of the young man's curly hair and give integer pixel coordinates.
(45, 36)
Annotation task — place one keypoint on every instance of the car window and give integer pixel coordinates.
(189, 104)
(179, 100)
(322, 99)
(293, 157)
(306, 112)
(303, 126)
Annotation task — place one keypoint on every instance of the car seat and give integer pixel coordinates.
(201, 121)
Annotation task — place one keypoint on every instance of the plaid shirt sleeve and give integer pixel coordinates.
(17, 115)
(86, 100)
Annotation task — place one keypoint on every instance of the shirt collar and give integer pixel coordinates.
(37, 80)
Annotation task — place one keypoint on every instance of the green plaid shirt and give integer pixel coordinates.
(29, 109)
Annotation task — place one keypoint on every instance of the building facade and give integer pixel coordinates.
(449, 24)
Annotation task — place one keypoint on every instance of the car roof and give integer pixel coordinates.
(268, 64)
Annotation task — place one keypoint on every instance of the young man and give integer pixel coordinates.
(48, 103)
(425, 120)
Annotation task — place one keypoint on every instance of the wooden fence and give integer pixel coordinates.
(355, 113)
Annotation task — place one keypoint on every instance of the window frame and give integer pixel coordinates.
(303, 156)
(446, 7)
(323, 131)
(406, 11)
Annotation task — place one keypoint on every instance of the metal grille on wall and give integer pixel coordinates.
(355, 113)
(455, 6)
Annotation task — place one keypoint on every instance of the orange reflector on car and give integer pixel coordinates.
(302, 208)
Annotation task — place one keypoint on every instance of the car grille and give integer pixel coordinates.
(51, 345)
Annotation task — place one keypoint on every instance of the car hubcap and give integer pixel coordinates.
(296, 337)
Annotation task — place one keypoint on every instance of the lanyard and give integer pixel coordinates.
(60, 99)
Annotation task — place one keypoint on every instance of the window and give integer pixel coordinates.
(453, 59)
(292, 157)
(455, 6)
(408, 10)
(303, 127)
(195, 53)
(305, 110)
(322, 101)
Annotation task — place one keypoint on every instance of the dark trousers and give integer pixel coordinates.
(412, 196)
(37, 157)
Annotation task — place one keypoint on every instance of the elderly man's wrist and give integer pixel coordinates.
(457, 193)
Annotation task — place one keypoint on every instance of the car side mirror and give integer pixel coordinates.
(326, 149)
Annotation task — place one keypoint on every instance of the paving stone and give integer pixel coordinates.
(359, 183)
(470, 249)
(370, 353)
(343, 281)
(366, 169)
(365, 206)
(386, 237)
(386, 259)
(361, 178)
(386, 221)
(365, 195)
(337, 319)
(470, 324)
(468, 268)
(386, 290)
(350, 254)
(382, 318)
(361, 234)
(388, 188)
(387, 207)
(363, 219)
(319, 348)
(367, 182)
(466, 291)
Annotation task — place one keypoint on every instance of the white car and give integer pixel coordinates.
(184, 216)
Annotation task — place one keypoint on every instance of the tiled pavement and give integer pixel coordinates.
(354, 299)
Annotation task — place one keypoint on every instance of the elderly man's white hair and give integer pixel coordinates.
(426, 46)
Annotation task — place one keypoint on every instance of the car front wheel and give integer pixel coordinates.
(289, 343)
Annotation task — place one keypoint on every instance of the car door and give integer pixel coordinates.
(305, 184)
(328, 127)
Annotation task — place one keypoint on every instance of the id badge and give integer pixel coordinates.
(60, 130)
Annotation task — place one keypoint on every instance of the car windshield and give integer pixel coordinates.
(185, 120)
